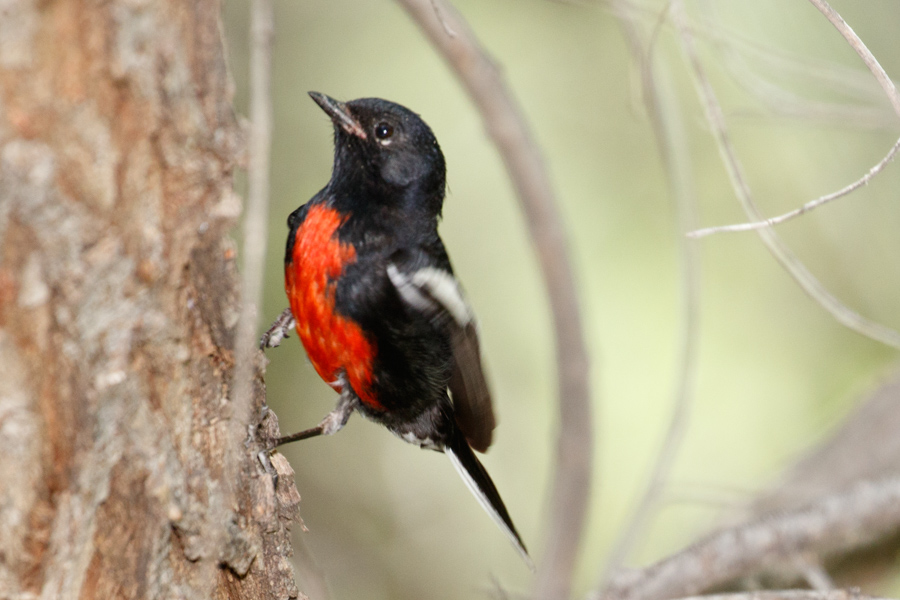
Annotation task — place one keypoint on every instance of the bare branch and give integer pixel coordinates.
(867, 512)
(889, 88)
(864, 180)
(440, 16)
(862, 50)
(507, 128)
(733, 47)
(671, 141)
(770, 239)
(255, 220)
(864, 446)
(256, 215)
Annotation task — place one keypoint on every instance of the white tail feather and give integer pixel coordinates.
(487, 506)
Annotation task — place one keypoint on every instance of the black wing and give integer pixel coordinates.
(436, 293)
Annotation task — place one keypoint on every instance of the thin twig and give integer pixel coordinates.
(726, 42)
(256, 214)
(864, 180)
(862, 50)
(507, 128)
(842, 80)
(854, 518)
(671, 141)
(893, 96)
(770, 239)
(836, 77)
(889, 88)
(780, 101)
(440, 17)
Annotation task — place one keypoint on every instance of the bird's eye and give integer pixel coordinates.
(384, 131)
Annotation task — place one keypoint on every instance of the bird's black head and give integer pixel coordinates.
(387, 153)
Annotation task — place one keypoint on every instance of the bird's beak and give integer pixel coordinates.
(339, 114)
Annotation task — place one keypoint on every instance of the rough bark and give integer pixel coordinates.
(118, 305)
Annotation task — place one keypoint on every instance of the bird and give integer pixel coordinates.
(374, 300)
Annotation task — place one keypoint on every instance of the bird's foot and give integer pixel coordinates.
(278, 331)
(332, 423)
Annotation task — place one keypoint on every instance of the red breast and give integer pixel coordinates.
(333, 342)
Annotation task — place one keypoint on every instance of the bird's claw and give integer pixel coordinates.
(278, 331)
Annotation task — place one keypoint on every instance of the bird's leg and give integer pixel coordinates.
(332, 423)
(278, 331)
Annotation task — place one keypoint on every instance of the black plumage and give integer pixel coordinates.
(374, 296)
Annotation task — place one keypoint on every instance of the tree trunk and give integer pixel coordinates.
(118, 304)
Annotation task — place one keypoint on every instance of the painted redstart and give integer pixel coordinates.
(374, 299)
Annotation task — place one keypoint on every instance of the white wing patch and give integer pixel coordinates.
(410, 294)
(430, 289)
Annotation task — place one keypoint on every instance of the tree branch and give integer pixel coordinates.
(256, 214)
(812, 204)
(864, 446)
(770, 239)
(890, 89)
(507, 128)
(846, 81)
(865, 513)
(862, 50)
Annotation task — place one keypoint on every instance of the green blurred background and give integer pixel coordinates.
(775, 372)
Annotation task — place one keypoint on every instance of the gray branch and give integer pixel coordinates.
(861, 515)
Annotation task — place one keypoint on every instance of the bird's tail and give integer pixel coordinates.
(479, 483)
